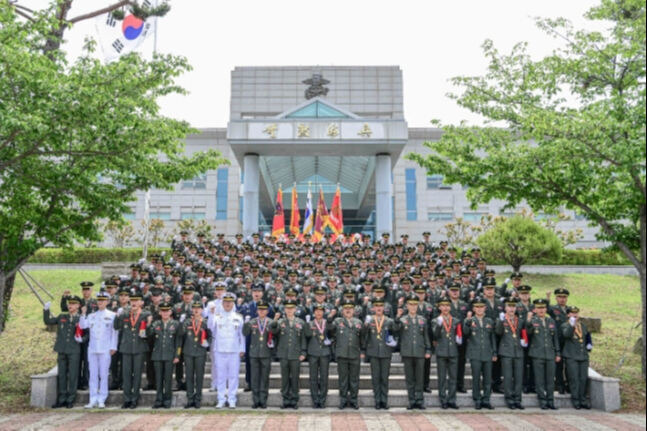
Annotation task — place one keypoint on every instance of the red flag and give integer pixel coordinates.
(295, 218)
(336, 219)
(78, 332)
(524, 336)
(278, 224)
(459, 331)
(203, 337)
(321, 219)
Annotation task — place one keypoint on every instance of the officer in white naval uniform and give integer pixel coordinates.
(103, 344)
(229, 343)
(213, 309)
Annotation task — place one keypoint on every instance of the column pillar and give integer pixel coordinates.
(250, 194)
(383, 196)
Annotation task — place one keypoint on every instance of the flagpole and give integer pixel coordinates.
(147, 196)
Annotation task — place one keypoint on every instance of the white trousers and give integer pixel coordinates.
(227, 369)
(214, 368)
(99, 364)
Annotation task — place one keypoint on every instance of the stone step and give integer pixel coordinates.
(395, 382)
(397, 398)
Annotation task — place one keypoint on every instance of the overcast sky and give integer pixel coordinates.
(431, 41)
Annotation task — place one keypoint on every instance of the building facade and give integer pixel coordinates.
(319, 127)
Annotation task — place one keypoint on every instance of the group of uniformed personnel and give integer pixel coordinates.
(347, 301)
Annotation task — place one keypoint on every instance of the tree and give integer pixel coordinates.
(460, 233)
(518, 240)
(156, 230)
(78, 137)
(122, 232)
(573, 130)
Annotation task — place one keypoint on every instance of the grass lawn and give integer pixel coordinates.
(27, 347)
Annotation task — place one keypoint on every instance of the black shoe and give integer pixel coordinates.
(247, 389)
(497, 390)
(444, 406)
(512, 406)
(487, 406)
(342, 406)
(427, 390)
(284, 406)
(167, 406)
(295, 407)
(452, 406)
(378, 406)
(157, 404)
(263, 405)
(354, 405)
(197, 404)
(520, 407)
(385, 406)
(189, 405)
(125, 405)
(410, 407)
(113, 387)
(150, 387)
(461, 390)
(552, 406)
(255, 405)
(58, 405)
(69, 405)
(133, 404)
(421, 407)
(544, 407)
(478, 406)
(586, 406)
(561, 390)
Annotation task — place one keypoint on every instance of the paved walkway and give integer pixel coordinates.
(315, 421)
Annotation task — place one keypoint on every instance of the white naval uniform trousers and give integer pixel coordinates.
(217, 303)
(229, 343)
(103, 338)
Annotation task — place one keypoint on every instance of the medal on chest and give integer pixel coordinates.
(261, 328)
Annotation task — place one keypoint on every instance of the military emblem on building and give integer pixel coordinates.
(316, 86)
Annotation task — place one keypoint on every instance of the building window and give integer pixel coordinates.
(221, 194)
(440, 216)
(436, 182)
(130, 215)
(160, 214)
(580, 217)
(410, 186)
(473, 216)
(193, 215)
(196, 183)
(241, 202)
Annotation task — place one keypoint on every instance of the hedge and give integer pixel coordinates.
(91, 255)
(98, 255)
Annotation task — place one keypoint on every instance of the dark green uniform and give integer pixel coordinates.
(181, 311)
(348, 349)
(195, 356)
(577, 361)
(414, 345)
(481, 348)
(69, 352)
(318, 359)
(459, 310)
(166, 342)
(447, 355)
(291, 344)
(260, 358)
(133, 349)
(543, 349)
(511, 357)
(379, 353)
(560, 316)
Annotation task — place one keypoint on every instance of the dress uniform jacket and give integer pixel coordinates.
(167, 339)
(260, 359)
(292, 341)
(481, 348)
(65, 329)
(511, 357)
(69, 351)
(577, 360)
(130, 341)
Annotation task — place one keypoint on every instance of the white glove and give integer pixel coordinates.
(47, 305)
(182, 317)
(368, 319)
(205, 344)
(247, 318)
(78, 339)
(589, 347)
(327, 342)
(502, 316)
(507, 280)
(440, 320)
(390, 341)
(571, 321)
(120, 310)
(459, 340)
(524, 343)
(308, 318)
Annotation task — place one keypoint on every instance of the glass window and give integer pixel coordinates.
(162, 215)
(198, 182)
(317, 110)
(473, 216)
(194, 215)
(241, 202)
(221, 194)
(410, 187)
(440, 216)
(436, 182)
(129, 215)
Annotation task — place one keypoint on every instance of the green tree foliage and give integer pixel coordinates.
(78, 138)
(518, 240)
(567, 130)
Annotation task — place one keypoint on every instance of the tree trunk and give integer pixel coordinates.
(641, 274)
(6, 289)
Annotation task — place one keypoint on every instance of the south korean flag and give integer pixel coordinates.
(121, 37)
